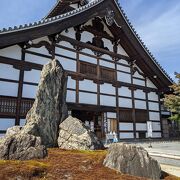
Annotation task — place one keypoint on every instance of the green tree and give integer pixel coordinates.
(172, 101)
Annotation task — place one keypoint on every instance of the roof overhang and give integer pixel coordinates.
(130, 40)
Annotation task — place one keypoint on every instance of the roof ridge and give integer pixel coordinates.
(142, 43)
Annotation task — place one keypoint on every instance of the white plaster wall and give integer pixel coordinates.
(153, 106)
(107, 57)
(126, 126)
(70, 33)
(11, 52)
(6, 123)
(123, 77)
(122, 61)
(156, 134)
(45, 38)
(71, 96)
(153, 96)
(36, 59)
(65, 52)
(108, 44)
(140, 104)
(89, 22)
(32, 76)
(87, 85)
(107, 88)
(29, 91)
(107, 64)
(124, 91)
(8, 72)
(66, 44)
(139, 82)
(156, 126)
(136, 74)
(88, 51)
(71, 83)
(124, 102)
(107, 100)
(87, 98)
(154, 116)
(22, 122)
(141, 126)
(41, 50)
(139, 94)
(123, 68)
(86, 36)
(8, 88)
(87, 59)
(121, 50)
(67, 64)
(111, 115)
(126, 135)
(150, 84)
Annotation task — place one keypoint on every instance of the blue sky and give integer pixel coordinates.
(156, 21)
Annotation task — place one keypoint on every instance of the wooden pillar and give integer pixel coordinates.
(98, 84)
(133, 104)
(20, 89)
(117, 101)
(78, 71)
(162, 135)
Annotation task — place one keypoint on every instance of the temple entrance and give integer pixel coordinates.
(92, 119)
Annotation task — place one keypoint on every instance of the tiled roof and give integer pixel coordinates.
(52, 19)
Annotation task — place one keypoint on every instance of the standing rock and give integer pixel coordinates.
(73, 134)
(22, 147)
(133, 160)
(49, 108)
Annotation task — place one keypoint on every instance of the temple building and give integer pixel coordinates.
(114, 82)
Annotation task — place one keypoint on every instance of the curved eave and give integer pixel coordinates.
(147, 56)
(51, 25)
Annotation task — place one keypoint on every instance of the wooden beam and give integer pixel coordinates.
(94, 48)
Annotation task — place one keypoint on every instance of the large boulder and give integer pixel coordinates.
(133, 160)
(73, 134)
(49, 108)
(22, 146)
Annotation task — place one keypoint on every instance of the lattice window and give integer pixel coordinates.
(88, 69)
(91, 70)
(125, 115)
(141, 115)
(25, 106)
(8, 106)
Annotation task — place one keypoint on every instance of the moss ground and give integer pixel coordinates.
(62, 164)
